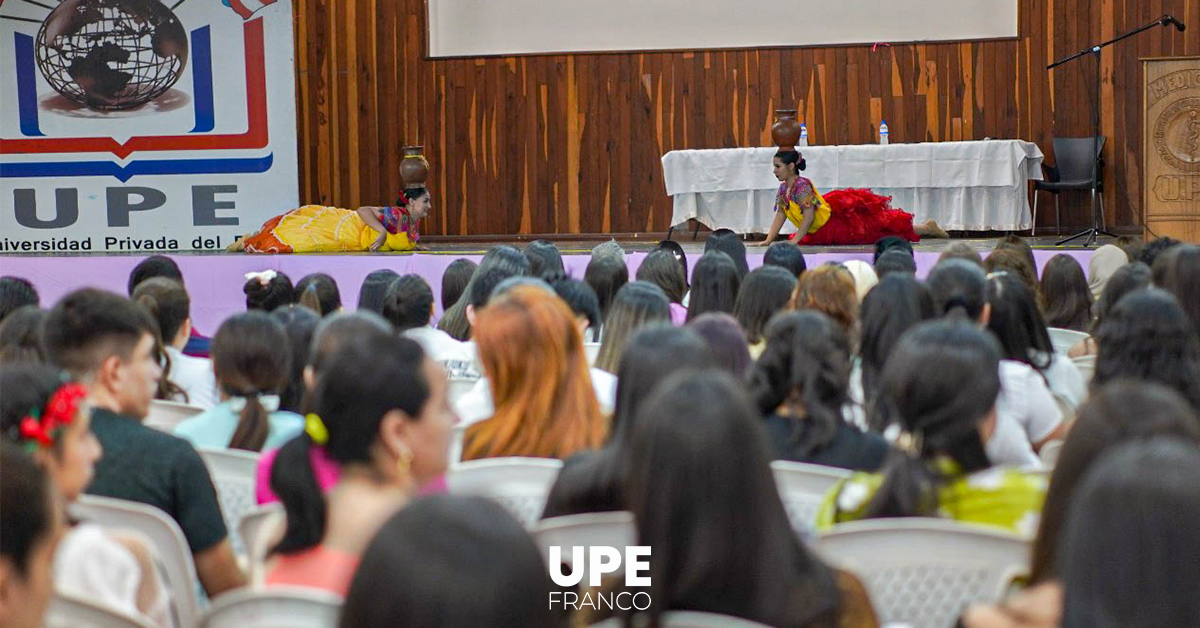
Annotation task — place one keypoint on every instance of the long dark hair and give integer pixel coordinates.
(705, 501)
(675, 249)
(505, 257)
(958, 289)
(939, 385)
(729, 243)
(318, 292)
(606, 274)
(370, 295)
(661, 269)
(807, 365)
(351, 402)
(715, 283)
(455, 280)
(543, 258)
(1148, 336)
(21, 336)
(1128, 278)
(248, 362)
(1118, 412)
(275, 292)
(1017, 323)
(1066, 293)
(27, 507)
(765, 291)
(892, 307)
(164, 302)
(1129, 554)
(436, 564)
(636, 304)
(299, 323)
(1178, 271)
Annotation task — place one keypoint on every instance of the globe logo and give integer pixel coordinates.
(111, 54)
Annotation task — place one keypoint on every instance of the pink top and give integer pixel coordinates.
(316, 568)
(678, 315)
(326, 470)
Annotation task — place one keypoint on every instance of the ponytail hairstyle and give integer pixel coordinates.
(250, 362)
(351, 402)
(1017, 322)
(318, 292)
(939, 385)
(267, 290)
(806, 364)
(792, 157)
(408, 303)
(166, 303)
(958, 289)
(299, 323)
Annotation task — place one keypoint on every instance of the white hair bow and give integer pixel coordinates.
(270, 403)
(263, 277)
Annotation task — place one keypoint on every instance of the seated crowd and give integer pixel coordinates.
(665, 393)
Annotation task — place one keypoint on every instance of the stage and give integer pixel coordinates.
(214, 280)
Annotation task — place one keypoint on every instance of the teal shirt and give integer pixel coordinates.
(214, 427)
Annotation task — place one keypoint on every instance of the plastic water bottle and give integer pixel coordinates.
(883, 133)
(804, 135)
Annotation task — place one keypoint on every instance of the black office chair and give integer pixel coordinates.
(1072, 170)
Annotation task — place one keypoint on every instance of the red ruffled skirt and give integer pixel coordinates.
(861, 217)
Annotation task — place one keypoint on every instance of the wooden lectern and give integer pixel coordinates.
(1171, 147)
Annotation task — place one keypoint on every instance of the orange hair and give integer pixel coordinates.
(533, 355)
(830, 290)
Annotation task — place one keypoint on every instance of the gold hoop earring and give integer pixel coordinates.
(404, 464)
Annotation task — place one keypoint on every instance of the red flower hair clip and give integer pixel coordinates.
(42, 428)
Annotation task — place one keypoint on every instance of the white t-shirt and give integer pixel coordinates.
(1026, 413)
(92, 565)
(457, 357)
(476, 404)
(1065, 380)
(195, 377)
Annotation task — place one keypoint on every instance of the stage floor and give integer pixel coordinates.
(215, 280)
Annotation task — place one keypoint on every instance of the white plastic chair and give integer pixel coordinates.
(276, 607)
(165, 415)
(1086, 366)
(1064, 339)
(690, 619)
(232, 474)
(69, 612)
(459, 386)
(521, 485)
(1049, 453)
(170, 545)
(454, 452)
(924, 572)
(259, 529)
(802, 488)
(613, 529)
(591, 350)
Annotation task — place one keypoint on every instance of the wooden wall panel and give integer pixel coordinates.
(571, 143)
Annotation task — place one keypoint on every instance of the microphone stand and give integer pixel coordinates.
(1097, 228)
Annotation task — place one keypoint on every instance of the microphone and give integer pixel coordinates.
(1170, 19)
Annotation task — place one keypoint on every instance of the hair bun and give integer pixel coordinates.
(803, 164)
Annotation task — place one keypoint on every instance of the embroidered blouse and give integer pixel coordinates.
(396, 219)
(801, 192)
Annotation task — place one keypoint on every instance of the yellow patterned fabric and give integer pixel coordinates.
(321, 229)
(801, 195)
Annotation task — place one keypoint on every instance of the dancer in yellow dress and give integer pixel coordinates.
(321, 229)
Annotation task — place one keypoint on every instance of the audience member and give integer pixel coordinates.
(438, 563)
(163, 266)
(319, 293)
(544, 257)
(963, 251)
(1132, 245)
(729, 243)
(1178, 271)
(299, 323)
(375, 285)
(608, 249)
(388, 428)
(508, 259)
(532, 355)
(765, 291)
(583, 302)
(941, 386)
(787, 256)
(606, 274)
(16, 293)
(106, 343)
(864, 277)
(1066, 295)
(1154, 248)
(887, 243)
(726, 339)
(1148, 336)
(677, 250)
(1017, 323)
(661, 269)
(1012, 261)
(705, 502)
(895, 261)
(1128, 278)
(455, 280)
(636, 304)
(251, 371)
(892, 307)
(799, 385)
(31, 526)
(167, 302)
(593, 481)
(267, 290)
(408, 305)
(1104, 262)
(829, 290)
(715, 283)
(1016, 243)
(21, 336)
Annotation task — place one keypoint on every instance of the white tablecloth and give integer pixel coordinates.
(975, 186)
